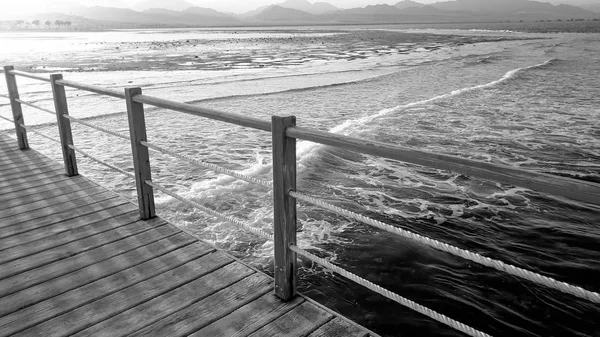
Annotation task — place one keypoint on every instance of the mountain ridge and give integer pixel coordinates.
(291, 12)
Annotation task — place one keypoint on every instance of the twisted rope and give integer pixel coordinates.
(223, 217)
(39, 133)
(102, 162)
(210, 166)
(465, 254)
(99, 128)
(36, 106)
(391, 295)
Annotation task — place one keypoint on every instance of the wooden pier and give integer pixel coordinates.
(76, 261)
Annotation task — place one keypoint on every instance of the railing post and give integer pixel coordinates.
(64, 125)
(284, 219)
(141, 157)
(13, 94)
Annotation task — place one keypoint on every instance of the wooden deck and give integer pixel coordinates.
(76, 261)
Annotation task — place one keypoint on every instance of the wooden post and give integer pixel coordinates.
(64, 125)
(13, 94)
(141, 157)
(284, 220)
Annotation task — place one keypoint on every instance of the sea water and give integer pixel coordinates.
(525, 100)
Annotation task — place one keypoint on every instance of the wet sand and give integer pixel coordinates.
(230, 49)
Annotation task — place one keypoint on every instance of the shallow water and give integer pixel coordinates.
(525, 100)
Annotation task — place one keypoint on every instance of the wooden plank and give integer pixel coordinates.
(566, 187)
(26, 248)
(284, 213)
(339, 327)
(249, 318)
(237, 119)
(185, 309)
(20, 265)
(70, 264)
(43, 186)
(13, 94)
(43, 194)
(12, 154)
(26, 177)
(56, 207)
(32, 183)
(301, 321)
(25, 207)
(64, 125)
(37, 304)
(24, 165)
(19, 172)
(205, 271)
(33, 234)
(141, 157)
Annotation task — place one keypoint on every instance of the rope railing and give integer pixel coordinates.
(29, 129)
(465, 254)
(102, 162)
(391, 295)
(99, 128)
(35, 106)
(261, 182)
(570, 188)
(212, 212)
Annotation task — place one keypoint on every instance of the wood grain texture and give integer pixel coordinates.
(44, 186)
(64, 125)
(301, 321)
(551, 184)
(24, 248)
(43, 211)
(338, 327)
(83, 193)
(94, 282)
(31, 183)
(44, 194)
(76, 259)
(88, 315)
(78, 247)
(79, 261)
(284, 208)
(249, 318)
(64, 226)
(178, 312)
(141, 157)
(17, 112)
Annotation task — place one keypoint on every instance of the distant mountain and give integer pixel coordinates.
(112, 14)
(305, 6)
(278, 13)
(522, 7)
(194, 17)
(323, 7)
(174, 5)
(373, 10)
(192, 11)
(593, 8)
(408, 4)
(426, 10)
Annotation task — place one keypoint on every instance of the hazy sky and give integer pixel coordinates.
(238, 6)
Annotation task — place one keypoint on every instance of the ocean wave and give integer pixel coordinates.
(305, 149)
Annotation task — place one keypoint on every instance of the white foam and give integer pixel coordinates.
(305, 149)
